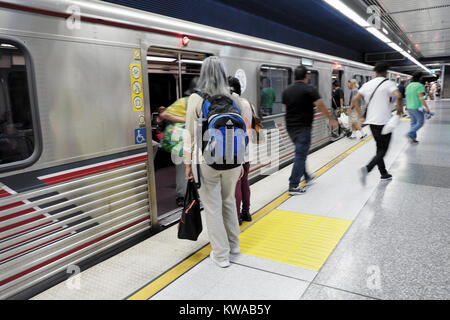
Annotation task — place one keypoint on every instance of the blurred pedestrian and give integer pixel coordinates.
(378, 92)
(299, 99)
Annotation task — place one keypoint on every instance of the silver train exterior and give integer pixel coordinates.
(89, 185)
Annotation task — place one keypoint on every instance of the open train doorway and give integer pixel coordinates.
(170, 75)
(337, 99)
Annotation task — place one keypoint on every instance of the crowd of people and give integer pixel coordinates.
(214, 100)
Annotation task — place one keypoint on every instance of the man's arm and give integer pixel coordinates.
(172, 118)
(322, 108)
(423, 102)
(398, 96)
(355, 102)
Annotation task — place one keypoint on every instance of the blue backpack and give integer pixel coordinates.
(224, 132)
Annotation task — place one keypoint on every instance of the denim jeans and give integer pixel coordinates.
(301, 137)
(417, 121)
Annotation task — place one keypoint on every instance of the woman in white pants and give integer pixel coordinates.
(217, 191)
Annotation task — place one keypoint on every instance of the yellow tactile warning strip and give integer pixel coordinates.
(293, 238)
(177, 271)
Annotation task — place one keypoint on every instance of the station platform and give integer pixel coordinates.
(339, 240)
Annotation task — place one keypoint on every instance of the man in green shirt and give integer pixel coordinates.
(415, 99)
(268, 96)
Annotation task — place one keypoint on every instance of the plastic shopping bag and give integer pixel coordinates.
(343, 120)
(190, 224)
(172, 140)
(391, 125)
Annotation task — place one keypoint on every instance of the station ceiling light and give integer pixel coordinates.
(349, 13)
(352, 15)
(378, 34)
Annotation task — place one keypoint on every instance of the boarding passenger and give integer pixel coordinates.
(337, 103)
(217, 191)
(243, 187)
(176, 113)
(353, 114)
(299, 100)
(377, 92)
(160, 124)
(415, 99)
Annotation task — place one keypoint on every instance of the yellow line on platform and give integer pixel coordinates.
(177, 271)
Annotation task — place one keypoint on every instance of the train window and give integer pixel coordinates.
(314, 79)
(273, 81)
(17, 129)
(360, 79)
(368, 78)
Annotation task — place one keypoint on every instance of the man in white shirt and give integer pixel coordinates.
(377, 93)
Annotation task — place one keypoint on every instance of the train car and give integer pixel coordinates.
(80, 87)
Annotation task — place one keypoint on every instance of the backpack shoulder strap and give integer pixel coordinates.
(373, 93)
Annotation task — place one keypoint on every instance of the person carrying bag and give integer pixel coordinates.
(378, 115)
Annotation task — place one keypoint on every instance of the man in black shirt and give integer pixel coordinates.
(337, 103)
(299, 100)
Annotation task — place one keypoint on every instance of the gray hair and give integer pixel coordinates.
(213, 78)
(354, 83)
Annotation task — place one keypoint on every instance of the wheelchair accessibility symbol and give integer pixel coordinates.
(140, 136)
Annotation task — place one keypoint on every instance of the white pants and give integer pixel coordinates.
(180, 170)
(217, 194)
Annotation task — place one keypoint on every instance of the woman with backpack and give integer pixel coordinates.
(217, 181)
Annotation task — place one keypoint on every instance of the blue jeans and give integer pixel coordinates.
(301, 137)
(417, 120)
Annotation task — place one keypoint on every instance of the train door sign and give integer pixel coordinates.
(140, 136)
(137, 94)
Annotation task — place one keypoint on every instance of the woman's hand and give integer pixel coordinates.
(189, 174)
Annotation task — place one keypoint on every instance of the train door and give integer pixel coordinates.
(338, 75)
(170, 73)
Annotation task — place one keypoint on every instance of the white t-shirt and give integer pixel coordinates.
(379, 111)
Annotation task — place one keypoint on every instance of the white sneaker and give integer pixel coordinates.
(222, 264)
(235, 250)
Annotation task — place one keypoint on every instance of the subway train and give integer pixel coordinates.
(81, 83)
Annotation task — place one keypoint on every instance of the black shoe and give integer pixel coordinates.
(246, 217)
(180, 202)
(386, 176)
(240, 221)
(297, 191)
(363, 172)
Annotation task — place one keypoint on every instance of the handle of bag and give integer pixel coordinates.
(371, 97)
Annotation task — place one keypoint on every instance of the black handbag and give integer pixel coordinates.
(190, 224)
